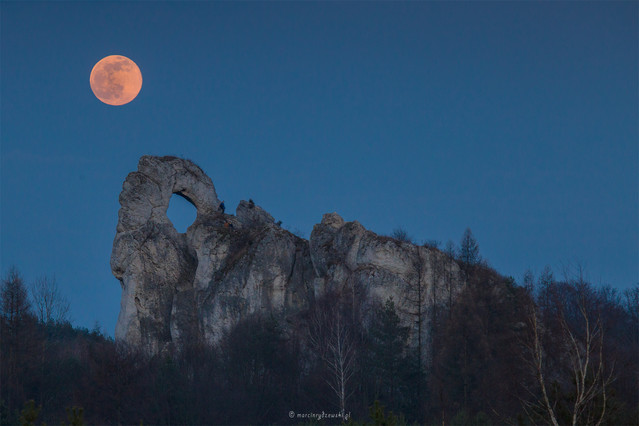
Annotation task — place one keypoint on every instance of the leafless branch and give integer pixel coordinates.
(49, 303)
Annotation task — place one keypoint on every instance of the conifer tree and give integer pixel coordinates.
(388, 341)
(469, 249)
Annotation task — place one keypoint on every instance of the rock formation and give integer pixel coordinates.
(194, 286)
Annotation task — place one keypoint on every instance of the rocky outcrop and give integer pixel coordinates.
(180, 288)
(250, 214)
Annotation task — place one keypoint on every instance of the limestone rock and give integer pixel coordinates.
(250, 214)
(154, 263)
(192, 287)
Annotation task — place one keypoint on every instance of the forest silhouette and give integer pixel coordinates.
(541, 351)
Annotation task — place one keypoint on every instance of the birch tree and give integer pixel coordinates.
(333, 341)
(586, 386)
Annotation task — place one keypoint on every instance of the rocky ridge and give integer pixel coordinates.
(187, 287)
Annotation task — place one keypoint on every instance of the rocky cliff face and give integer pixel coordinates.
(194, 286)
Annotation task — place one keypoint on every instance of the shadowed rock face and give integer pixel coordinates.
(192, 287)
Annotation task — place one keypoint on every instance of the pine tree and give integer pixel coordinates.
(469, 249)
(16, 335)
(388, 341)
(29, 414)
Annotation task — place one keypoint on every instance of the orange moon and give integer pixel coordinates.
(116, 80)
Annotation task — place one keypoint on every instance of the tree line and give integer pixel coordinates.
(486, 350)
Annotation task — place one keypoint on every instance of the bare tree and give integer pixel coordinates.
(589, 378)
(400, 234)
(50, 305)
(536, 360)
(529, 281)
(330, 337)
(416, 307)
(449, 283)
(631, 302)
(425, 288)
(416, 300)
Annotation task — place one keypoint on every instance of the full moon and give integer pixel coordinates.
(116, 80)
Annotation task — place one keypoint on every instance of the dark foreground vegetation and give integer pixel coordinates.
(544, 351)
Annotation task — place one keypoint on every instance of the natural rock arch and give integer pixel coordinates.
(154, 262)
(181, 212)
(146, 192)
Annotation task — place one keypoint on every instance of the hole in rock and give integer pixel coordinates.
(181, 212)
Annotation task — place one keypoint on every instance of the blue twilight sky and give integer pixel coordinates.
(516, 119)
